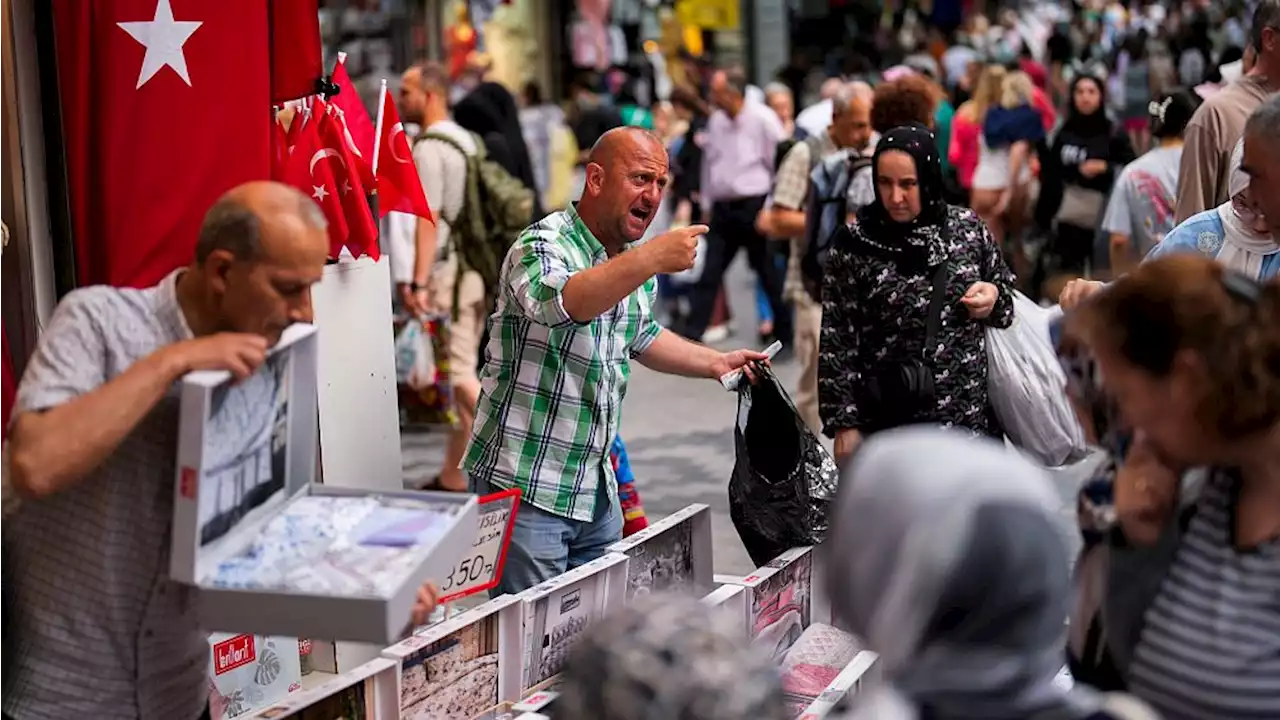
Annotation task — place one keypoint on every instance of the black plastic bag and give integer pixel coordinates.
(783, 479)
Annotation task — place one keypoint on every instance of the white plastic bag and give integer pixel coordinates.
(1028, 388)
(415, 361)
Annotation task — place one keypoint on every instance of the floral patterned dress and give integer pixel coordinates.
(874, 309)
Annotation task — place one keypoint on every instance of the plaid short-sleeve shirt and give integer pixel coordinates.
(551, 388)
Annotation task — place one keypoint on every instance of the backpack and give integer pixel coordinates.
(827, 207)
(496, 208)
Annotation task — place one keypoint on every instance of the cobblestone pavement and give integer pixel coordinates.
(679, 435)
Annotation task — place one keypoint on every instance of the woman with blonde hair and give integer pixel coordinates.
(966, 126)
(1010, 130)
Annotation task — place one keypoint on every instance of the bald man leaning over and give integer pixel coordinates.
(98, 629)
(575, 307)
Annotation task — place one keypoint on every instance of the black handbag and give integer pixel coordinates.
(898, 394)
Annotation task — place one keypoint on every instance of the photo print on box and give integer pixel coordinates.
(455, 677)
(661, 563)
(780, 607)
(558, 620)
(246, 443)
(349, 704)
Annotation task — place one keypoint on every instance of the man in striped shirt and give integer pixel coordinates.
(575, 307)
(100, 631)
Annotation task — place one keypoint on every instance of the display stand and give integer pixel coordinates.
(252, 672)
(464, 666)
(732, 599)
(370, 691)
(672, 554)
(863, 671)
(557, 611)
(359, 415)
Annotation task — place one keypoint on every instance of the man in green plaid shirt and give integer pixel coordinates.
(574, 308)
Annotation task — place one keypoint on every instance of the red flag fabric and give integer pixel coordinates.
(279, 149)
(296, 60)
(399, 187)
(353, 110)
(310, 169)
(363, 237)
(300, 119)
(166, 106)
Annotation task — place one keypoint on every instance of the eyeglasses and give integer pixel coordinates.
(1244, 209)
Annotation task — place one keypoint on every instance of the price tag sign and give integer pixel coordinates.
(480, 568)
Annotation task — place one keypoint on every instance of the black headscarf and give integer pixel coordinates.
(1095, 124)
(490, 112)
(917, 141)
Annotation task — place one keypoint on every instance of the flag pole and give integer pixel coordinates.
(377, 127)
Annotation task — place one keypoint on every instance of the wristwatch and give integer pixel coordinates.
(415, 287)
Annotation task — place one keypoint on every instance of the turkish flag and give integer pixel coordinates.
(310, 169)
(296, 61)
(363, 237)
(166, 106)
(279, 149)
(347, 100)
(399, 187)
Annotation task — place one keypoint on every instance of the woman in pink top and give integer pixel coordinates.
(966, 126)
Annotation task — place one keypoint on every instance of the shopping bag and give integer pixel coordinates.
(415, 358)
(422, 371)
(1027, 387)
(783, 478)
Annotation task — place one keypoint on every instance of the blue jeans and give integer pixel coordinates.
(544, 545)
(764, 311)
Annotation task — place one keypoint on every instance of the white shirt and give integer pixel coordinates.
(816, 118)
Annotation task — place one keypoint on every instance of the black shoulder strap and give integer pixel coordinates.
(933, 322)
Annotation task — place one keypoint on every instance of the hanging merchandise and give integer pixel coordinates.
(617, 46)
(460, 39)
(722, 15)
(590, 38)
(139, 80)
(296, 55)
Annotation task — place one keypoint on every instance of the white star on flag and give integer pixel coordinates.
(163, 37)
(320, 193)
(346, 187)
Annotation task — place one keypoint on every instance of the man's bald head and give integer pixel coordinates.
(621, 141)
(627, 173)
(248, 219)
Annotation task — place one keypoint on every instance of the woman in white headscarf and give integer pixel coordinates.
(1234, 233)
(944, 555)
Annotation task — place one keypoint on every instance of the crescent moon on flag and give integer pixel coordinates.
(397, 128)
(321, 154)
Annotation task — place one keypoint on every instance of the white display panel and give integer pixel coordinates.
(673, 554)
(465, 667)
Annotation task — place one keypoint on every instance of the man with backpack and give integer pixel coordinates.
(480, 209)
(831, 157)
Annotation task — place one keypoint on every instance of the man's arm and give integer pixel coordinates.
(52, 449)
(791, 186)
(588, 294)
(669, 353)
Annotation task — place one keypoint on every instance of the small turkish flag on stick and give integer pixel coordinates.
(399, 187)
(310, 169)
(363, 237)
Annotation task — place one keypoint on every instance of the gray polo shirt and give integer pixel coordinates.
(98, 629)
